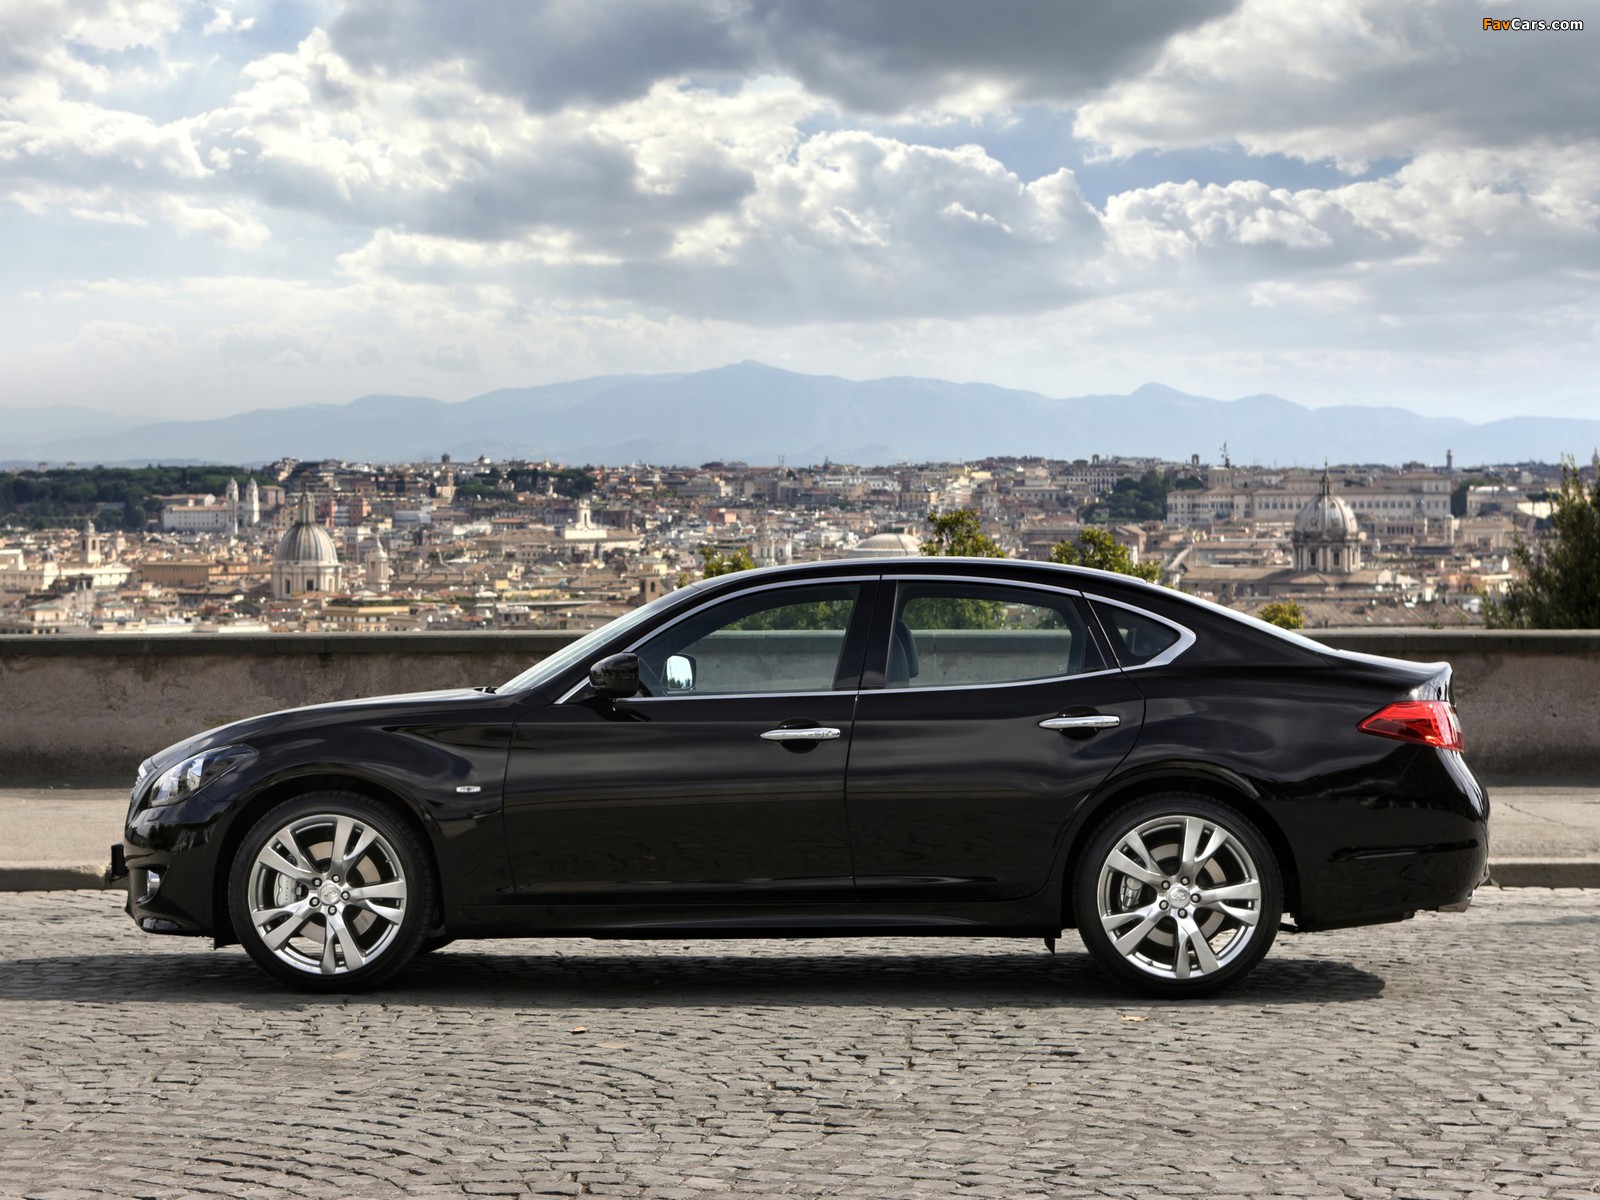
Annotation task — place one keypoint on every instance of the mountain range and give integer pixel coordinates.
(760, 414)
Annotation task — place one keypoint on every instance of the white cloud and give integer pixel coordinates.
(1354, 81)
(406, 195)
(431, 154)
(864, 227)
(888, 56)
(851, 227)
(125, 344)
(47, 39)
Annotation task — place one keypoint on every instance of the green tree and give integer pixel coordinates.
(1458, 494)
(821, 614)
(1142, 499)
(572, 482)
(718, 563)
(60, 497)
(1285, 614)
(1559, 579)
(959, 533)
(1097, 548)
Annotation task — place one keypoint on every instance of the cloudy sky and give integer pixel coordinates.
(228, 204)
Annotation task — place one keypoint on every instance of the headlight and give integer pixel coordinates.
(188, 777)
(138, 780)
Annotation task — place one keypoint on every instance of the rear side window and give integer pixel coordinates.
(950, 634)
(1136, 637)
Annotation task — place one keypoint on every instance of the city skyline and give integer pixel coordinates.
(220, 206)
(442, 545)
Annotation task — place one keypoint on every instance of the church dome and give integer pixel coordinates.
(306, 542)
(1326, 516)
(1326, 537)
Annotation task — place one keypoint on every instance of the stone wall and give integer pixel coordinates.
(86, 710)
(89, 709)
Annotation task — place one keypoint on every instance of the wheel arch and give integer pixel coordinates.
(1203, 779)
(287, 789)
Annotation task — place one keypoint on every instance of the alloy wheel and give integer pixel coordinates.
(326, 893)
(1179, 895)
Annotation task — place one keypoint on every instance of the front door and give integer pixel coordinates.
(721, 782)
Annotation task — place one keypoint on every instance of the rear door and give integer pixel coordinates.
(988, 713)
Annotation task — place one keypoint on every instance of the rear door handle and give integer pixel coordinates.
(1091, 721)
(812, 733)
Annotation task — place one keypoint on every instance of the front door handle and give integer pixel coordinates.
(812, 733)
(1091, 721)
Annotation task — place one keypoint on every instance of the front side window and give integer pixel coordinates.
(959, 634)
(783, 640)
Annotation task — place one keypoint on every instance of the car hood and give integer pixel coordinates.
(310, 714)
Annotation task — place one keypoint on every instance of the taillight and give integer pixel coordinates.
(1426, 722)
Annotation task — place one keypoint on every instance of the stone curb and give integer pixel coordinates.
(1505, 872)
(1545, 872)
(52, 877)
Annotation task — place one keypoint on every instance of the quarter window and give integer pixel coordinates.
(1135, 637)
(785, 640)
(959, 634)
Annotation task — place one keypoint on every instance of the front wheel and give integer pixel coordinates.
(1178, 895)
(331, 892)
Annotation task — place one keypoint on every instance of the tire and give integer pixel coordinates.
(435, 942)
(287, 888)
(1134, 894)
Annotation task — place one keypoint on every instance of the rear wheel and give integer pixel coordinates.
(331, 892)
(1178, 895)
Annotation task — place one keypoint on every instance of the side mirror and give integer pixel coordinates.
(616, 677)
(680, 673)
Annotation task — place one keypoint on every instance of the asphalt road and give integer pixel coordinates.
(1451, 1056)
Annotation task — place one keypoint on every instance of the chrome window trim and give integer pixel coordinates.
(732, 696)
(982, 687)
(1186, 636)
(712, 603)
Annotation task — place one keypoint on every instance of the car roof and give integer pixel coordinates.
(926, 564)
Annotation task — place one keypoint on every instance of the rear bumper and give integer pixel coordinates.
(1370, 888)
(1422, 846)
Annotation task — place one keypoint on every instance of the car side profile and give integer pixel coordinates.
(920, 746)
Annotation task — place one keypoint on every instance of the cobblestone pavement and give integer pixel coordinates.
(1451, 1056)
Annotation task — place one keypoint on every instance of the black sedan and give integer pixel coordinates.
(917, 746)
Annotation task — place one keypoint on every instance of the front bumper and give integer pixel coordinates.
(167, 860)
(145, 903)
(117, 872)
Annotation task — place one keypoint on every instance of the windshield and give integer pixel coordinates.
(548, 668)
